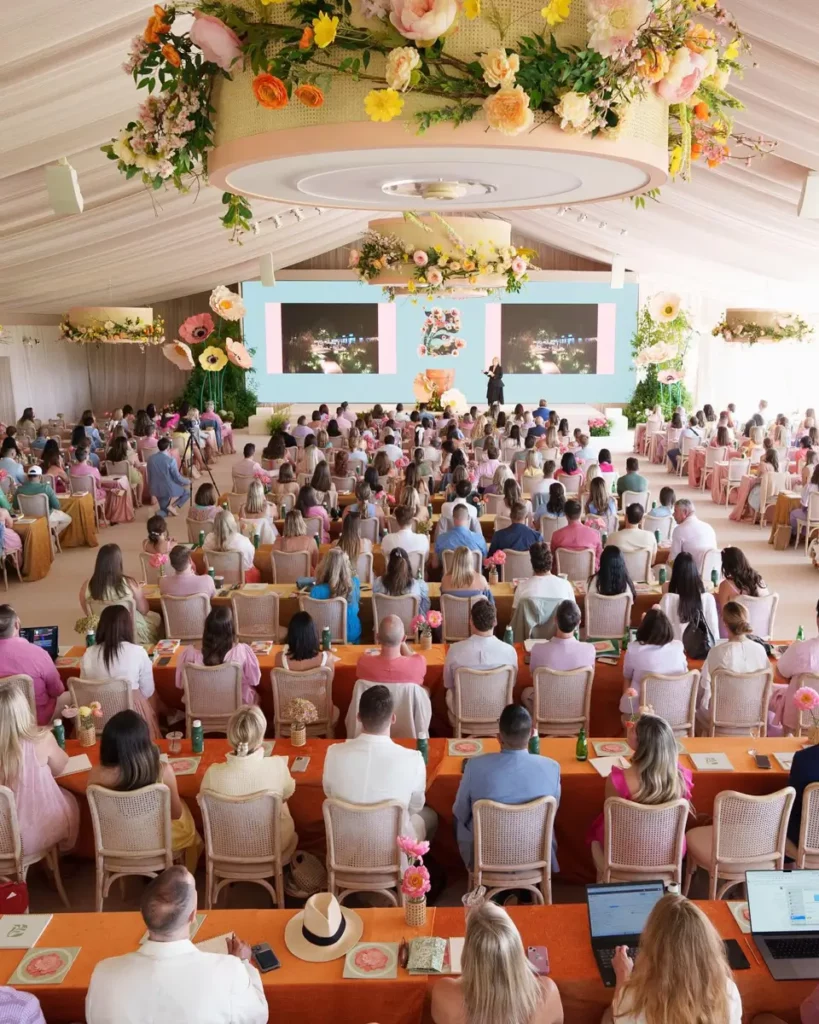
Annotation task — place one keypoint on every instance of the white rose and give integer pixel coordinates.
(498, 69)
(573, 110)
(122, 148)
(401, 62)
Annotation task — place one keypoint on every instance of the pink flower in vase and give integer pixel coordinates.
(418, 622)
(413, 847)
(158, 560)
(416, 882)
(500, 557)
(434, 619)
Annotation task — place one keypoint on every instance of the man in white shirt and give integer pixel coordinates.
(167, 980)
(400, 415)
(691, 534)
(391, 448)
(483, 650)
(462, 491)
(543, 583)
(405, 538)
(631, 537)
(371, 768)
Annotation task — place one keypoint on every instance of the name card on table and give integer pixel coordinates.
(711, 762)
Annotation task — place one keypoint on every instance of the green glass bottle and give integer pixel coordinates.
(604, 538)
(581, 750)
(58, 729)
(663, 574)
(657, 536)
(800, 633)
(256, 541)
(90, 638)
(714, 577)
(534, 744)
(624, 642)
(201, 543)
(423, 746)
(420, 574)
(508, 635)
(653, 505)
(326, 639)
(197, 737)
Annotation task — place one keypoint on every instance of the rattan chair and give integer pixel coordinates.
(709, 560)
(664, 525)
(26, 684)
(737, 468)
(364, 566)
(368, 529)
(287, 502)
(362, 848)
(412, 710)
(608, 618)
(228, 564)
(343, 484)
(686, 444)
(513, 846)
(241, 481)
(642, 841)
(770, 487)
(806, 855)
(495, 504)
(97, 607)
(448, 555)
(406, 608)
(478, 698)
(243, 843)
(804, 719)
(642, 498)
(256, 615)
(548, 526)
(289, 566)
(15, 557)
(712, 457)
(810, 524)
(761, 613)
(197, 526)
(455, 613)
(14, 863)
(150, 575)
(674, 698)
(212, 694)
(577, 565)
(328, 611)
(315, 686)
(35, 506)
(236, 499)
(748, 834)
(132, 834)
(739, 703)
(638, 564)
(572, 485)
(185, 616)
(518, 566)
(113, 695)
(561, 701)
(87, 485)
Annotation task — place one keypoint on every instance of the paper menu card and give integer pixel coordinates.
(456, 949)
(263, 647)
(21, 931)
(604, 765)
(464, 747)
(711, 762)
(372, 961)
(611, 748)
(218, 944)
(77, 763)
(45, 966)
(785, 760)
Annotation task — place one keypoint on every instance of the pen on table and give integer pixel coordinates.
(750, 946)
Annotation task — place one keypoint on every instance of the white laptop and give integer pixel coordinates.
(784, 911)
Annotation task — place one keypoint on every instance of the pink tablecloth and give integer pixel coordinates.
(743, 510)
(696, 461)
(119, 502)
(639, 434)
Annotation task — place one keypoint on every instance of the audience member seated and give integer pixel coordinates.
(459, 536)
(483, 650)
(17, 1007)
(405, 537)
(738, 578)
(575, 536)
(511, 494)
(371, 767)
(556, 503)
(654, 775)
(165, 482)
(631, 537)
(248, 465)
(364, 505)
(686, 602)
(631, 479)
(463, 580)
(246, 770)
(184, 581)
(225, 536)
(334, 578)
(167, 977)
(511, 777)
(219, 647)
(804, 771)
(583, 451)
(116, 656)
(517, 536)
(691, 431)
(53, 473)
(601, 508)
(463, 489)
(396, 662)
(563, 652)
(800, 657)
(19, 657)
(604, 461)
(286, 483)
(30, 761)
(612, 578)
(205, 506)
(801, 514)
(351, 542)
(543, 584)
(256, 514)
(121, 451)
(109, 583)
(568, 466)
(739, 653)
(158, 541)
(690, 534)
(294, 537)
(399, 580)
(307, 503)
(9, 461)
(665, 506)
(34, 485)
(129, 761)
(302, 648)
(682, 973)
(655, 652)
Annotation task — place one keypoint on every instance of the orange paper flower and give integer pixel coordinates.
(309, 95)
(238, 354)
(171, 55)
(701, 111)
(157, 26)
(306, 40)
(270, 92)
(699, 38)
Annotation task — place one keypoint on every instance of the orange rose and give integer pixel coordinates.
(653, 66)
(309, 95)
(696, 150)
(171, 55)
(701, 111)
(270, 92)
(306, 40)
(699, 38)
(157, 26)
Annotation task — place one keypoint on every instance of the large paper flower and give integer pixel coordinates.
(238, 354)
(423, 20)
(664, 307)
(507, 110)
(613, 24)
(686, 72)
(227, 304)
(217, 42)
(179, 354)
(212, 359)
(197, 328)
(669, 376)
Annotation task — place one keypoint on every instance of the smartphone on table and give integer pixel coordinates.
(266, 960)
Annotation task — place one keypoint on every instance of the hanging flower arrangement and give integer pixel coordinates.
(781, 328)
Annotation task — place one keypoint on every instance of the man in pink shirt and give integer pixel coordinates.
(183, 581)
(396, 663)
(800, 657)
(563, 653)
(82, 467)
(19, 657)
(576, 536)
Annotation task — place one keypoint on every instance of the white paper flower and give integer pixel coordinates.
(664, 307)
(498, 68)
(227, 304)
(455, 398)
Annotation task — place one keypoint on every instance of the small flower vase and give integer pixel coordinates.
(298, 734)
(426, 639)
(415, 911)
(493, 577)
(87, 735)
(162, 570)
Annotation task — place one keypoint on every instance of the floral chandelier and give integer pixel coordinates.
(751, 326)
(587, 98)
(98, 325)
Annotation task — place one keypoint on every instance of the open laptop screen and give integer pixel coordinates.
(783, 901)
(42, 636)
(622, 908)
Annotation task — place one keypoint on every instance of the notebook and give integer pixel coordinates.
(218, 944)
(785, 760)
(166, 646)
(604, 765)
(77, 763)
(261, 647)
(711, 762)
(21, 931)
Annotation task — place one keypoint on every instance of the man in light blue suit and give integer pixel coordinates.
(514, 776)
(165, 482)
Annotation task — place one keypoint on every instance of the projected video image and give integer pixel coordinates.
(549, 338)
(339, 338)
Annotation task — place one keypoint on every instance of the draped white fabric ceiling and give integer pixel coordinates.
(732, 231)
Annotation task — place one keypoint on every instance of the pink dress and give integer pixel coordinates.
(240, 653)
(47, 814)
(596, 833)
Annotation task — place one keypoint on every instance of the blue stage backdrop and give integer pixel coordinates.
(327, 341)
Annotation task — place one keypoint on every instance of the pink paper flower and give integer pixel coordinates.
(197, 328)
(500, 557)
(434, 277)
(179, 354)
(413, 847)
(684, 76)
(158, 560)
(420, 258)
(423, 19)
(806, 698)
(355, 257)
(519, 266)
(631, 692)
(434, 619)
(217, 42)
(238, 354)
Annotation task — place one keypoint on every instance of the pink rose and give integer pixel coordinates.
(423, 19)
(217, 42)
(413, 847)
(684, 76)
(434, 619)
(434, 277)
(518, 266)
(631, 692)
(355, 256)
(420, 258)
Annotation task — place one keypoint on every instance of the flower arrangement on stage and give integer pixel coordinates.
(439, 333)
(635, 47)
(783, 328)
(658, 349)
(132, 329)
(599, 426)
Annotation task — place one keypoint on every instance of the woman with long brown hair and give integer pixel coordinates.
(109, 583)
(399, 580)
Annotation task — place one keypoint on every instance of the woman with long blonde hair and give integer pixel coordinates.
(463, 580)
(294, 537)
(499, 478)
(256, 515)
(682, 974)
(498, 985)
(334, 578)
(30, 760)
(226, 537)
(351, 542)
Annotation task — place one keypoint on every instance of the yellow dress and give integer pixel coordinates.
(185, 837)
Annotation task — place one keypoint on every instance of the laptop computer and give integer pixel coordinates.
(46, 637)
(784, 911)
(617, 913)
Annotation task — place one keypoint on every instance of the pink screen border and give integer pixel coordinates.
(387, 337)
(606, 334)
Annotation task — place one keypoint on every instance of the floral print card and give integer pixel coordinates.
(45, 966)
(372, 960)
(184, 765)
(464, 748)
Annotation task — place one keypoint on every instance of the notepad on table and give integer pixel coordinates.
(166, 646)
(604, 765)
(218, 944)
(611, 748)
(785, 760)
(77, 763)
(711, 762)
(456, 949)
(427, 956)
(253, 587)
(21, 931)
(261, 647)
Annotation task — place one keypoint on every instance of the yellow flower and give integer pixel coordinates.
(411, 287)
(383, 104)
(556, 11)
(732, 51)
(676, 161)
(266, 2)
(472, 9)
(325, 29)
(212, 359)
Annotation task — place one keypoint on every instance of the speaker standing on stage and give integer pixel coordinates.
(494, 389)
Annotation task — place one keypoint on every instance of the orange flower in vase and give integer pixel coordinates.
(270, 92)
(157, 26)
(309, 95)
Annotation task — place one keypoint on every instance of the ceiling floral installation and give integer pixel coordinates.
(684, 51)
(751, 326)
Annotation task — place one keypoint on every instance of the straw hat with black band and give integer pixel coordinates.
(323, 931)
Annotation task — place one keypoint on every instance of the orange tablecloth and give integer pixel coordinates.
(639, 434)
(786, 502)
(82, 531)
(37, 553)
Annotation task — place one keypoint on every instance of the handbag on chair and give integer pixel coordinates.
(13, 898)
